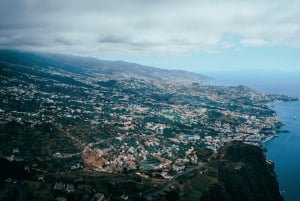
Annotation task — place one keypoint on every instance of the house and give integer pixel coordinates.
(61, 199)
(59, 186)
(15, 151)
(178, 167)
(98, 197)
(160, 130)
(70, 188)
(57, 155)
(41, 178)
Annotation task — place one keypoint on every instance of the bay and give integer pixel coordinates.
(284, 150)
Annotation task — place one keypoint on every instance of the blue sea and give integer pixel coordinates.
(284, 150)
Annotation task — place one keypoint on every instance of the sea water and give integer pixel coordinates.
(284, 150)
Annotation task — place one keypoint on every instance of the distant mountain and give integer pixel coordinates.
(89, 65)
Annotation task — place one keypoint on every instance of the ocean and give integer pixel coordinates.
(284, 150)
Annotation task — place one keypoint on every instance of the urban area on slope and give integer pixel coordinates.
(93, 136)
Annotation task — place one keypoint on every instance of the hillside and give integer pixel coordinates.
(134, 138)
(238, 172)
(89, 65)
(244, 174)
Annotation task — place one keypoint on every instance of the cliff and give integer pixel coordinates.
(243, 174)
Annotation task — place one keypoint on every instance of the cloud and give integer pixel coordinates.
(115, 39)
(141, 27)
(254, 42)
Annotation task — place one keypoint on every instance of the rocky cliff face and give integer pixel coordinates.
(243, 174)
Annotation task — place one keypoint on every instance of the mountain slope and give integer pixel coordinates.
(91, 65)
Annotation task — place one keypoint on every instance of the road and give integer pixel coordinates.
(168, 183)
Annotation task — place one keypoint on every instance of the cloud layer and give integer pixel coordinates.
(142, 27)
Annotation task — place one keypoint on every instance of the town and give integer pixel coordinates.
(61, 124)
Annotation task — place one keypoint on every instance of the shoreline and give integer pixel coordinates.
(269, 138)
(277, 126)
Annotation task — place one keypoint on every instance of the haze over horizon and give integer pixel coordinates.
(199, 36)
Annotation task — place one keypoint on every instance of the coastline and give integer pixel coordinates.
(277, 127)
(269, 138)
(284, 150)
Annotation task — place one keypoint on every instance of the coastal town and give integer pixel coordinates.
(63, 124)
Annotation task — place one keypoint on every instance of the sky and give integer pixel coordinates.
(193, 35)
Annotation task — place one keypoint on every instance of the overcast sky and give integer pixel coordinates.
(196, 35)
